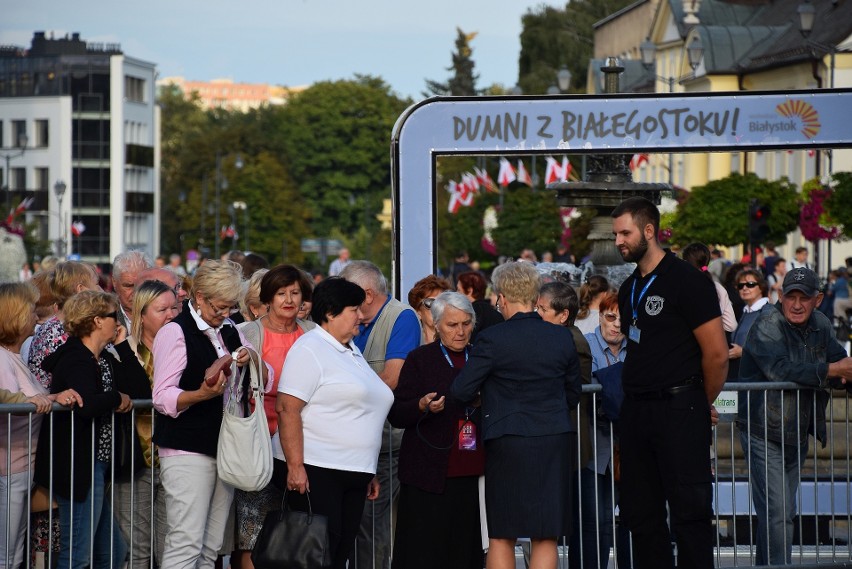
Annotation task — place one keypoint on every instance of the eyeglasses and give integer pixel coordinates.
(749, 284)
(427, 302)
(612, 316)
(113, 315)
(218, 310)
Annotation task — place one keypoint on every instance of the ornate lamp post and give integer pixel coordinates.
(59, 191)
(648, 51)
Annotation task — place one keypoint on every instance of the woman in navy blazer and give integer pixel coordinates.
(527, 374)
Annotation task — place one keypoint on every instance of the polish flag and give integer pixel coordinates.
(506, 175)
(637, 160)
(566, 168)
(523, 175)
(485, 180)
(471, 181)
(22, 207)
(78, 228)
(553, 171)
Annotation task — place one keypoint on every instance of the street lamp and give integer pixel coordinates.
(59, 190)
(244, 207)
(222, 184)
(807, 18)
(648, 53)
(14, 152)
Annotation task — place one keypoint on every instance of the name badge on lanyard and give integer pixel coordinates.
(634, 333)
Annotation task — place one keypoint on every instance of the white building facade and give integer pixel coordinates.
(89, 120)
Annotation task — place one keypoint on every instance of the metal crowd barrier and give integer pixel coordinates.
(823, 526)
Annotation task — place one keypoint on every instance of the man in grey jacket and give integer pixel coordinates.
(788, 343)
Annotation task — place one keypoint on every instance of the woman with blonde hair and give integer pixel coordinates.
(65, 280)
(527, 373)
(155, 304)
(189, 414)
(250, 305)
(17, 319)
(75, 450)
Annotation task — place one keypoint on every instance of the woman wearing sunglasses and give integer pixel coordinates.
(754, 292)
(74, 450)
(420, 298)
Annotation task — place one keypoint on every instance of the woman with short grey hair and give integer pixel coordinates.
(451, 299)
(442, 454)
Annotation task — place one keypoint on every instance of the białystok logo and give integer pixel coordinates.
(804, 112)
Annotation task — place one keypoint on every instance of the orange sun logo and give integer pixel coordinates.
(804, 112)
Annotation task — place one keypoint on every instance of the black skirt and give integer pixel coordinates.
(439, 530)
(527, 486)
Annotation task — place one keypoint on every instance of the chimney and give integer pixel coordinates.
(690, 12)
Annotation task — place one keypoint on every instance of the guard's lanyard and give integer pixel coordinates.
(447, 355)
(635, 302)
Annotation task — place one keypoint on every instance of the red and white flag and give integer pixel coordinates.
(637, 160)
(566, 168)
(460, 195)
(471, 181)
(22, 207)
(485, 180)
(523, 175)
(553, 171)
(78, 228)
(506, 175)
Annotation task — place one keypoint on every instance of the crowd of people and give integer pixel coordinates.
(432, 433)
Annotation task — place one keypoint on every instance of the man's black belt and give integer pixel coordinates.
(695, 383)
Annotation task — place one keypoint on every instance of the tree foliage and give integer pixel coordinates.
(317, 164)
(463, 79)
(552, 38)
(335, 140)
(717, 212)
(839, 203)
(527, 219)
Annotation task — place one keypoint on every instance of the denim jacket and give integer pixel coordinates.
(775, 350)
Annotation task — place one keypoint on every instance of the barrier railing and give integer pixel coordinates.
(821, 535)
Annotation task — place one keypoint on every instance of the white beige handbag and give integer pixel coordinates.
(244, 456)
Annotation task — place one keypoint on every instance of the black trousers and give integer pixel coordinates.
(338, 494)
(665, 458)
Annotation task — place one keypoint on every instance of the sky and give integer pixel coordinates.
(290, 42)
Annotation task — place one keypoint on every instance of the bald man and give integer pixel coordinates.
(167, 276)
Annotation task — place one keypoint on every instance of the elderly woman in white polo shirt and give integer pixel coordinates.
(331, 408)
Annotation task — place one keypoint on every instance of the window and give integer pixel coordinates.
(19, 134)
(134, 89)
(1, 134)
(41, 133)
(42, 179)
(18, 179)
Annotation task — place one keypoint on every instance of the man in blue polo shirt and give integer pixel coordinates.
(389, 331)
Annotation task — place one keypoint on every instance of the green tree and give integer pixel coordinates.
(334, 138)
(839, 204)
(552, 38)
(527, 219)
(717, 212)
(463, 80)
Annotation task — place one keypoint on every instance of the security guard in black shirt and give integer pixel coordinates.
(677, 360)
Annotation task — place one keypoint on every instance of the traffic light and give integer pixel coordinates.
(758, 221)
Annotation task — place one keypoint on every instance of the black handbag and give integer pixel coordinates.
(291, 539)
